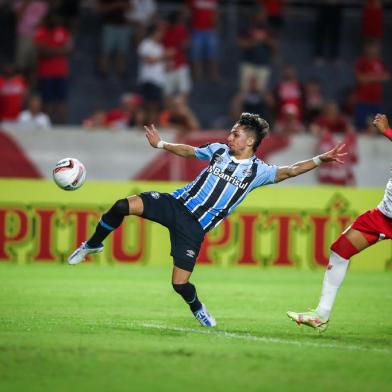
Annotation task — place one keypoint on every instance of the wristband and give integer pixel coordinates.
(388, 133)
(161, 144)
(317, 160)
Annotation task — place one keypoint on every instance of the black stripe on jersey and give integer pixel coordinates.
(215, 194)
(222, 214)
(200, 182)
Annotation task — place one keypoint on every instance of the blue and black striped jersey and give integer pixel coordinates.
(220, 187)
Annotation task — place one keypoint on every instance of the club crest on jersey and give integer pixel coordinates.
(216, 171)
(218, 159)
(231, 167)
(155, 195)
(247, 172)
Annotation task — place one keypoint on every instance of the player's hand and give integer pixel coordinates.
(334, 155)
(381, 122)
(152, 135)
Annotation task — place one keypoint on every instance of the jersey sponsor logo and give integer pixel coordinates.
(190, 253)
(216, 171)
(155, 195)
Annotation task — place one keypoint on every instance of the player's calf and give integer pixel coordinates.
(188, 293)
(109, 222)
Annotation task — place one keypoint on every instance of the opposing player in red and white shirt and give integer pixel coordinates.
(369, 228)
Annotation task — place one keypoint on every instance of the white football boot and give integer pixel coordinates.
(310, 319)
(204, 317)
(80, 254)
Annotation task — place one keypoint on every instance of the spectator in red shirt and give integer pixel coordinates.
(289, 90)
(274, 10)
(373, 20)
(331, 173)
(331, 120)
(13, 90)
(289, 124)
(54, 45)
(128, 114)
(333, 128)
(176, 39)
(97, 120)
(204, 36)
(371, 73)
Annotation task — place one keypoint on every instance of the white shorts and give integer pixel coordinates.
(249, 71)
(178, 81)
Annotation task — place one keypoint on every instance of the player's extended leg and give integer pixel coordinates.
(182, 286)
(133, 205)
(347, 245)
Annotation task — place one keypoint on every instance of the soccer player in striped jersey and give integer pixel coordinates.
(198, 207)
(366, 230)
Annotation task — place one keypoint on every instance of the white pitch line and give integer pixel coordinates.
(264, 339)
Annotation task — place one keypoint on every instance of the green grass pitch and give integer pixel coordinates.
(122, 328)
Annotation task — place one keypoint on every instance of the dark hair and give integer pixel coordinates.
(152, 29)
(174, 17)
(254, 123)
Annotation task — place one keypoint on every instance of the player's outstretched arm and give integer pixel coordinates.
(334, 155)
(381, 123)
(153, 137)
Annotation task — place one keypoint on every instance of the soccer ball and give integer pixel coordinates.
(69, 174)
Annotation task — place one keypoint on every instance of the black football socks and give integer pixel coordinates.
(188, 292)
(109, 222)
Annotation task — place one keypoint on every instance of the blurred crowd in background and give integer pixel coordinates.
(160, 51)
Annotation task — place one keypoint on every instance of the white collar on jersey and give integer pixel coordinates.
(241, 160)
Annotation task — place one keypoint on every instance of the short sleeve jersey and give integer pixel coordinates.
(55, 66)
(385, 205)
(203, 13)
(12, 91)
(371, 92)
(222, 186)
(151, 72)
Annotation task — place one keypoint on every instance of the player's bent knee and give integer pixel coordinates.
(179, 288)
(344, 248)
(135, 205)
(121, 207)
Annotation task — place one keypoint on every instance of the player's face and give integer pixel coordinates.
(239, 140)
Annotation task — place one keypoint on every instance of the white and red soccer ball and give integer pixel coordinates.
(69, 174)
